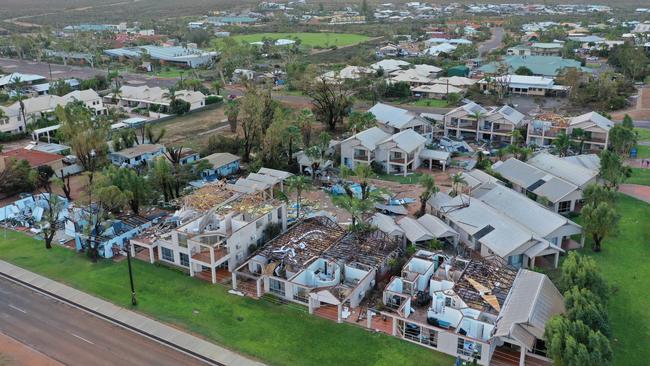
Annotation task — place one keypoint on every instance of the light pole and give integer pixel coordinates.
(134, 301)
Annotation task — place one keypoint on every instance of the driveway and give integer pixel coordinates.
(494, 42)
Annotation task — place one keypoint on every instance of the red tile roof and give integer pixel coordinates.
(33, 157)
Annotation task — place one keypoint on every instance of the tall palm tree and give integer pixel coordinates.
(292, 136)
(458, 181)
(580, 135)
(298, 184)
(20, 97)
(430, 189)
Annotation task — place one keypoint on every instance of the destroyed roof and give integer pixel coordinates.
(491, 273)
(208, 197)
(139, 150)
(303, 242)
(321, 237)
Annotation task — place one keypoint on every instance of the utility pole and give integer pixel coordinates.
(134, 301)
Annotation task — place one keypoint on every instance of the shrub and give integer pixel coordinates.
(213, 99)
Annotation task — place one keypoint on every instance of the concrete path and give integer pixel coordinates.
(637, 191)
(133, 321)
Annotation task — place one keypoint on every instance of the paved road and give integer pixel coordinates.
(74, 337)
(494, 41)
(79, 72)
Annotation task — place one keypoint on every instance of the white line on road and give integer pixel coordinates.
(82, 338)
(19, 309)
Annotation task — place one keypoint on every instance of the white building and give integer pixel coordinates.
(43, 106)
(473, 122)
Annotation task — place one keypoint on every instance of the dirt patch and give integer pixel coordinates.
(14, 353)
(194, 129)
(641, 111)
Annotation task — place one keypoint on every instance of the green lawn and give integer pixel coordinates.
(642, 151)
(639, 176)
(644, 134)
(170, 73)
(324, 40)
(437, 103)
(624, 262)
(278, 335)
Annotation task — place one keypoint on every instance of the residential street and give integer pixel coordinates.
(80, 72)
(73, 337)
(494, 42)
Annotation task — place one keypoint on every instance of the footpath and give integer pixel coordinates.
(131, 320)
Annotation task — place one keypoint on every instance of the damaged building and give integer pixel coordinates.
(481, 309)
(320, 265)
(216, 227)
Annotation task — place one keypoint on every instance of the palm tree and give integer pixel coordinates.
(362, 172)
(291, 135)
(562, 143)
(232, 112)
(430, 189)
(458, 181)
(20, 97)
(174, 155)
(580, 135)
(298, 184)
(116, 92)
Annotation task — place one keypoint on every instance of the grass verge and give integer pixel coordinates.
(275, 334)
(623, 261)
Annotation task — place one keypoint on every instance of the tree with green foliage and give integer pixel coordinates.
(581, 271)
(317, 152)
(60, 88)
(562, 143)
(359, 121)
(613, 169)
(331, 102)
(84, 134)
(124, 139)
(523, 70)
(583, 305)
(232, 112)
(298, 184)
(133, 186)
(160, 177)
(251, 121)
(457, 182)
(599, 221)
(579, 135)
(595, 193)
(572, 343)
(622, 137)
(17, 176)
(430, 189)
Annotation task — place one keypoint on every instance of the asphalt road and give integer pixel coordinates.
(78, 72)
(74, 337)
(494, 41)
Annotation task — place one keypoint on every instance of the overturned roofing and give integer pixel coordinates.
(493, 274)
(321, 237)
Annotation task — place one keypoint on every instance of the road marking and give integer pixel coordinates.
(18, 309)
(82, 338)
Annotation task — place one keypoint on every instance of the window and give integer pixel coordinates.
(167, 254)
(564, 207)
(516, 260)
(279, 213)
(182, 240)
(469, 348)
(185, 260)
(276, 287)
(269, 217)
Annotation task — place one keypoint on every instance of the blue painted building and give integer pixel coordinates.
(114, 235)
(221, 165)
